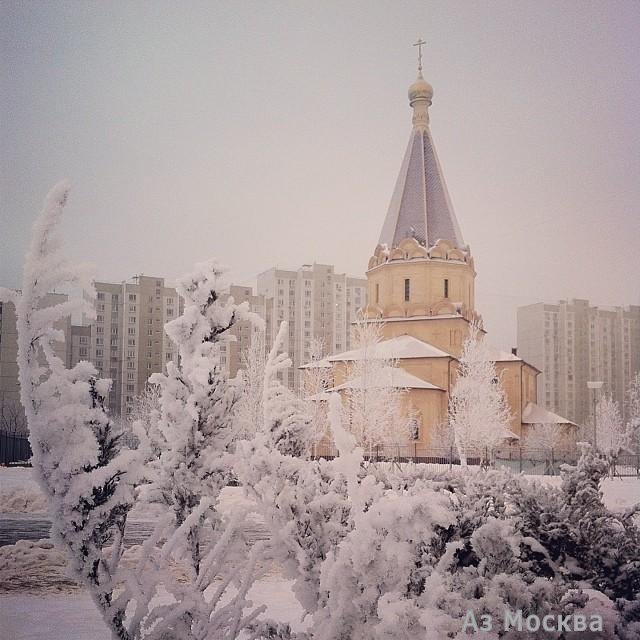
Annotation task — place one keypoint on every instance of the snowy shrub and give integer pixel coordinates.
(582, 538)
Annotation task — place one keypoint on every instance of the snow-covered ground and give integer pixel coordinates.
(19, 492)
(74, 616)
(39, 601)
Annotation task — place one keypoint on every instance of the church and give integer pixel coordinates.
(421, 280)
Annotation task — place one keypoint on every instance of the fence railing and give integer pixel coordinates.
(519, 459)
(14, 448)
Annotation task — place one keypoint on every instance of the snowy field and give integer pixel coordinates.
(38, 601)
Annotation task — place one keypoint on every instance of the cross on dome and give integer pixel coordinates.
(419, 42)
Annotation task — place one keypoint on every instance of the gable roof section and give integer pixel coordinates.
(535, 414)
(400, 348)
(395, 377)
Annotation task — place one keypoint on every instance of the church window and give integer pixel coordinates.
(446, 288)
(407, 289)
(377, 293)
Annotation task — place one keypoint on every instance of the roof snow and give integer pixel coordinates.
(535, 414)
(402, 347)
(390, 377)
(497, 355)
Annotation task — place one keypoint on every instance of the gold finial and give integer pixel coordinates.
(419, 44)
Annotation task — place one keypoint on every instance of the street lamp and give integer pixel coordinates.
(595, 385)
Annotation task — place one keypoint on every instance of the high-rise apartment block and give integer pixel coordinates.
(127, 338)
(572, 343)
(317, 303)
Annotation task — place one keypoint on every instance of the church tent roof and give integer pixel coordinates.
(420, 206)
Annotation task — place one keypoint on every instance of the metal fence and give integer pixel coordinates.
(14, 448)
(517, 459)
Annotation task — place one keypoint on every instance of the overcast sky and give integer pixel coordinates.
(271, 133)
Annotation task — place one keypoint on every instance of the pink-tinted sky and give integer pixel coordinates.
(269, 133)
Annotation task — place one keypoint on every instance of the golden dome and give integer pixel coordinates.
(420, 90)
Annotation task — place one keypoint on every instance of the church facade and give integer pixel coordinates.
(421, 280)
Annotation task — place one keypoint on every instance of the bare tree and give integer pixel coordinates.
(12, 418)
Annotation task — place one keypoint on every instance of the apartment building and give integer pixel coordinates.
(127, 339)
(9, 386)
(572, 343)
(317, 303)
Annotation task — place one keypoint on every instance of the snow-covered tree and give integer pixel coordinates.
(442, 436)
(285, 417)
(316, 379)
(633, 414)
(90, 479)
(544, 436)
(196, 403)
(478, 410)
(76, 456)
(611, 433)
(373, 404)
(249, 408)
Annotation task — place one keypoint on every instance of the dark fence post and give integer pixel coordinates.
(520, 461)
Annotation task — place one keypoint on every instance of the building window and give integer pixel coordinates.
(377, 293)
(407, 289)
(446, 288)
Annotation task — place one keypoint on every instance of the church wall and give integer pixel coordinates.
(434, 370)
(427, 287)
(432, 405)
